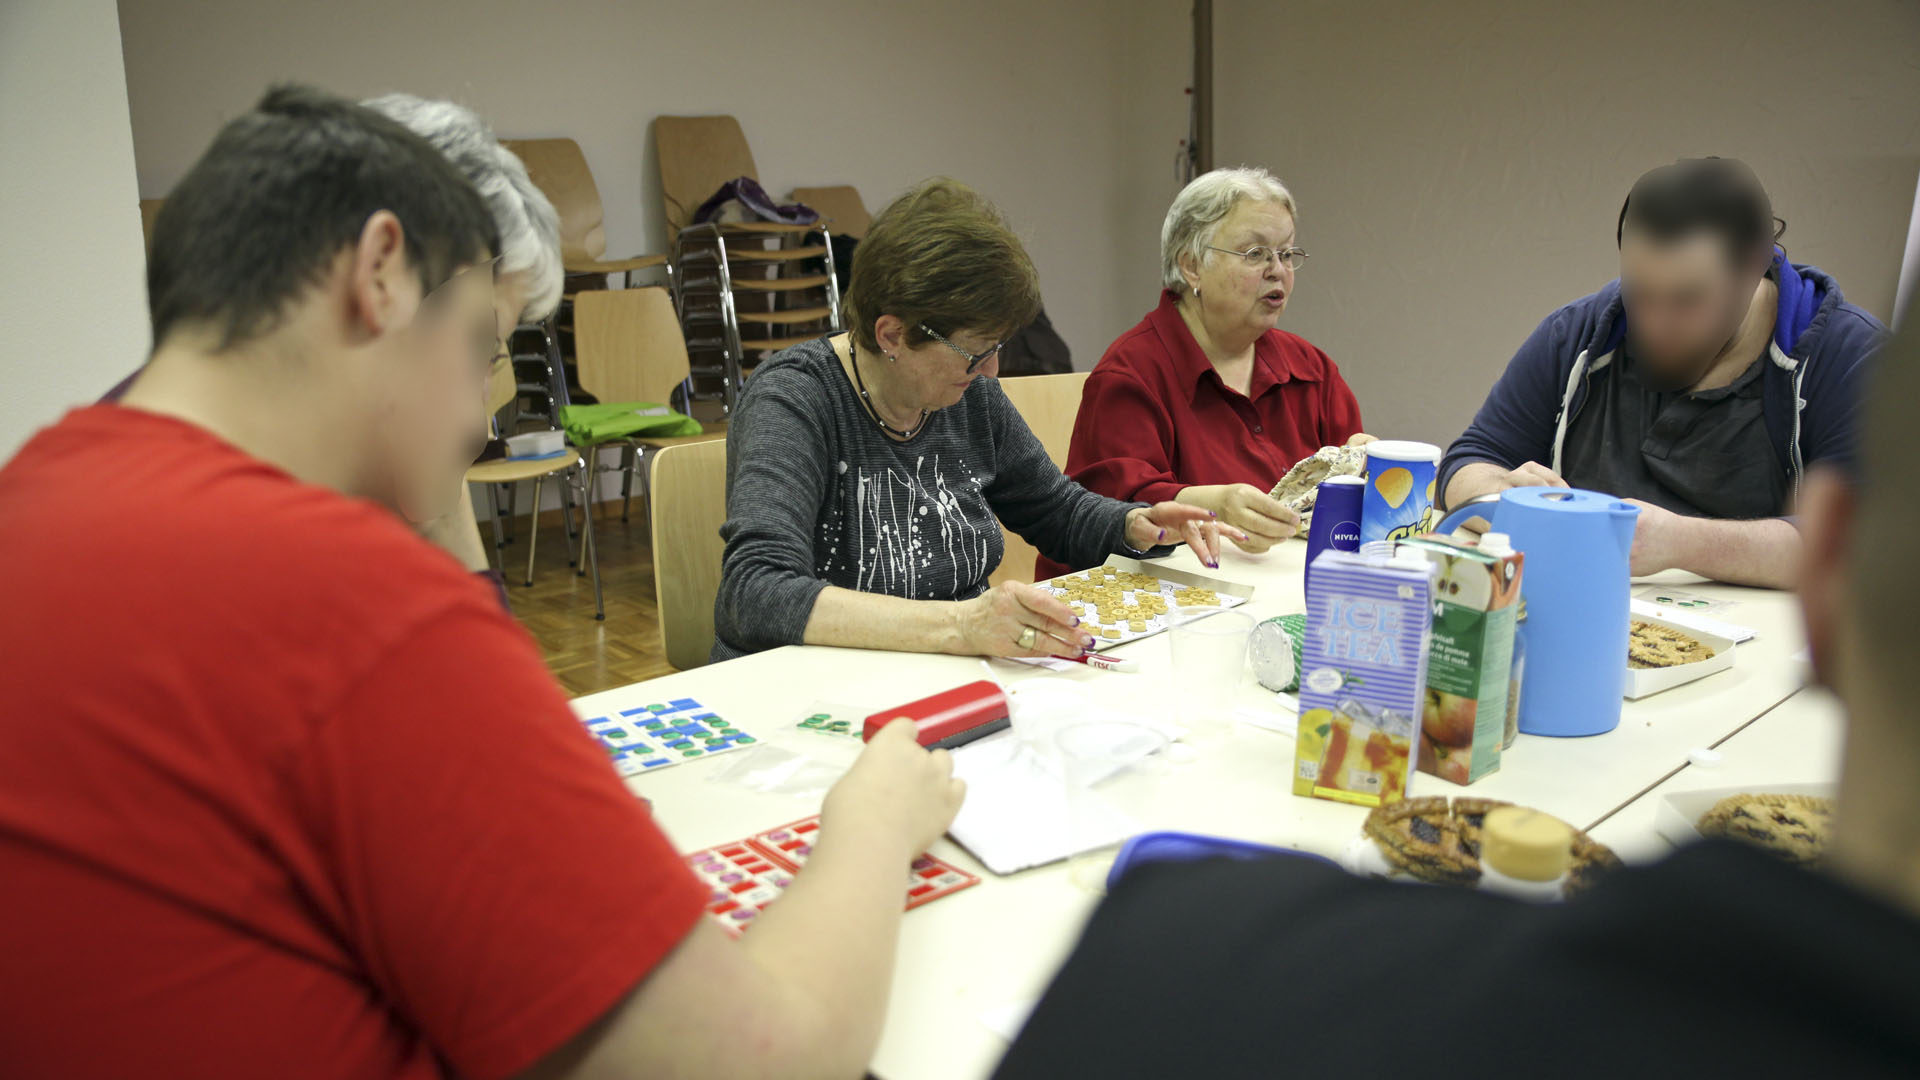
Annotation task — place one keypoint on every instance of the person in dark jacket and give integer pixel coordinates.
(1719, 960)
(1699, 385)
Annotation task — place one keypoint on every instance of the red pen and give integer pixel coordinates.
(1104, 663)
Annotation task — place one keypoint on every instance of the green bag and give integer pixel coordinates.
(588, 425)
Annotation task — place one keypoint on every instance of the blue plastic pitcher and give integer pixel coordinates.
(1578, 545)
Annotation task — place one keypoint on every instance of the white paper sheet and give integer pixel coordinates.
(1016, 813)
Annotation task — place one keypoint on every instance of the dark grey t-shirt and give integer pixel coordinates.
(1703, 455)
(817, 495)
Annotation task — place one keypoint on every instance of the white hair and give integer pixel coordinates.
(1197, 211)
(528, 224)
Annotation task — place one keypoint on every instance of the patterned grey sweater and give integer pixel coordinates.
(817, 495)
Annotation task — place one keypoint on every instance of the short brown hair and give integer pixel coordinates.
(941, 255)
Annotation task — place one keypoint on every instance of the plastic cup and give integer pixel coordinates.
(1209, 666)
(1094, 761)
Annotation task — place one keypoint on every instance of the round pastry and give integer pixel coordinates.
(1437, 840)
(1795, 827)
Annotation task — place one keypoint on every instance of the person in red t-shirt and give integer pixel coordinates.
(283, 792)
(1204, 401)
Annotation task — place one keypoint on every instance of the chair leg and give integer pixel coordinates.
(566, 517)
(499, 539)
(513, 507)
(588, 478)
(533, 528)
(629, 457)
(593, 562)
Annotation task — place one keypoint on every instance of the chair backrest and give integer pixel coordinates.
(697, 154)
(841, 210)
(502, 386)
(689, 486)
(1049, 404)
(559, 170)
(629, 345)
(149, 209)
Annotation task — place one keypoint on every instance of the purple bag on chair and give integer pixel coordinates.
(750, 195)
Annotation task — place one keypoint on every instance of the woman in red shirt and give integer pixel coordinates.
(1204, 401)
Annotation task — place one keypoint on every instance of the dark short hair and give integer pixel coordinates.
(281, 191)
(941, 255)
(1719, 196)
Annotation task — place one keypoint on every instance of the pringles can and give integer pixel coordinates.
(1400, 490)
(1336, 517)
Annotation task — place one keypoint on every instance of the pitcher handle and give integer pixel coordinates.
(1463, 513)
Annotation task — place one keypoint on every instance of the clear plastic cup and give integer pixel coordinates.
(1095, 762)
(1209, 666)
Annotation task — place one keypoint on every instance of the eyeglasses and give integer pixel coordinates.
(973, 361)
(1291, 257)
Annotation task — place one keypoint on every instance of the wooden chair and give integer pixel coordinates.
(1049, 404)
(628, 347)
(559, 169)
(840, 209)
(501, 390)
(689, 483)
(744, 289)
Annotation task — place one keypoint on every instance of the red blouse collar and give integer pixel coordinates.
(1271, 365)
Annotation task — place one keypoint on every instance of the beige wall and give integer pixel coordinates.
(1058, 111)
(72, 299)
(1460, 166)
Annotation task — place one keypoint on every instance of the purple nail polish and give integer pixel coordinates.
(1076, 620)
(1163, 534)
(1212, 514)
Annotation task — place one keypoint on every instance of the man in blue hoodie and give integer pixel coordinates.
(1698, 386)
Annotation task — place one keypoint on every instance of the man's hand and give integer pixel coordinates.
(1660, 540)
(1479, 478)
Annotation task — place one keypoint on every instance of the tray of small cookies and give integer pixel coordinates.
(1126, 599)
(1662, 655)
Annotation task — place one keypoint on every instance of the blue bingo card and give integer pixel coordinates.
(655, 736)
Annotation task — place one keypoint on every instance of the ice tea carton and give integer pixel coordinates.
(1476, 594)
(1363, 675)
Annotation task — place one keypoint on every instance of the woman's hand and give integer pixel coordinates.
(1012, 619)
(1171, 522)
(1262, 519)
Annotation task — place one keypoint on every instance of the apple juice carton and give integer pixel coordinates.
(1363, 675)
(1476, 594)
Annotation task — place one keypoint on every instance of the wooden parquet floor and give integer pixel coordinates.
(588, 656)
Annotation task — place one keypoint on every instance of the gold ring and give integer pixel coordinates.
(1027, 638)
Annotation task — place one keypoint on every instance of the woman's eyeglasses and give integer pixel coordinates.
(1291, 257)
(973, 361)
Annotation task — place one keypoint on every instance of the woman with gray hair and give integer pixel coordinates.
(527, 280)
(526, 284)
(1205, 402)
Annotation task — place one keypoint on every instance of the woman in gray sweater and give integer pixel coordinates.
(868, 473)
